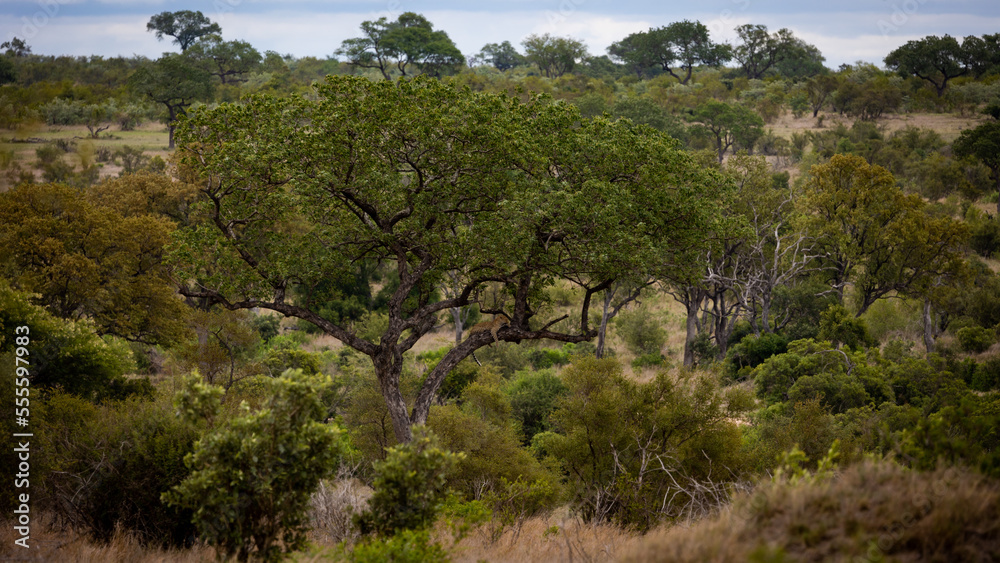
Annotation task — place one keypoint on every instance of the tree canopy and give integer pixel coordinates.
(174, 82)
(555, 56)
(501, 197)
(184, 26)
(983, 144)
(682, 44)
(407, 43)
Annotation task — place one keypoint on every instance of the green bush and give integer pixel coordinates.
(840, 327)
(752, 351)
(407, 546)
(608, 427)
(533, 395)
(67, 354)
(105, 467)
(841, 379)
(975, 339)
(251, 477)
(987, 375)
(641, 331)
(410, 486)
(963, 434)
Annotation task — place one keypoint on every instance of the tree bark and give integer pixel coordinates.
(602, 331)
(928, 327)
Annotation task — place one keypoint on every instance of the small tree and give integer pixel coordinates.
(252, 476)
(502, 56)
(173, 82)
(410, 485)
(983, 144)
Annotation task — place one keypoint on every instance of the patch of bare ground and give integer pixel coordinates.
(948, 125)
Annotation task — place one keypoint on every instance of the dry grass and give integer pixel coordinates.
(872, 512)
(151, 138)
(554, 539)
(49, 543)
(946, 124)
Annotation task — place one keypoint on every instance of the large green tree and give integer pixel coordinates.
(934, 59)
(90, 262)
(231, 61)
(184, 26)
(874, 236)
(555, 56)
(759, 50)
(983, 144)
(503, 56)
(439, 183)
(407, 43)
(681, 45)
(728, 125)
(172, 80)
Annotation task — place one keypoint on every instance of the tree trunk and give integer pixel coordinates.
(928, 327)
(691, 326)
(765, 313)
(602, 331)
(456, 314)
(388, 370)
(170, 126)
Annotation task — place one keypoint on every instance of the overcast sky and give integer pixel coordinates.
(844, 30)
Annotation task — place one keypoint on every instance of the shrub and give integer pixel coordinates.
(252, 476)
(532, 398)
(410, 486)
(641, 331)
(752, 351)
(105, 467)
(68, 354)
(987, 375)
(408, 546)
(975, 339)
(608, 428)
(839, 327)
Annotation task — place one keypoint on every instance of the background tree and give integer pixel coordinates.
(174, 82)
(873, 235)
(431, 179)
(690, 46)
(819, 89)
(983, 144)
(503, 56)
(90, 262)
(554, 56)
(800, 60)
(934, 59)
(637, 52)
(231, 61)
(759, 50)
(416, 43)
(410, 40)
(184, 26)
(983, 54)
(16, 47)
(728, 125)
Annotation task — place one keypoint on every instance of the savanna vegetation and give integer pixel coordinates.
(684, 301)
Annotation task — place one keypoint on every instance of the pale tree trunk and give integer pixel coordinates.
(456, 314)
(928, 326)
(603, 330)
(691, 331)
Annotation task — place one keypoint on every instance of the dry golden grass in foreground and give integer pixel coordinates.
(549, 539)
(873, 511)
(48, 543)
